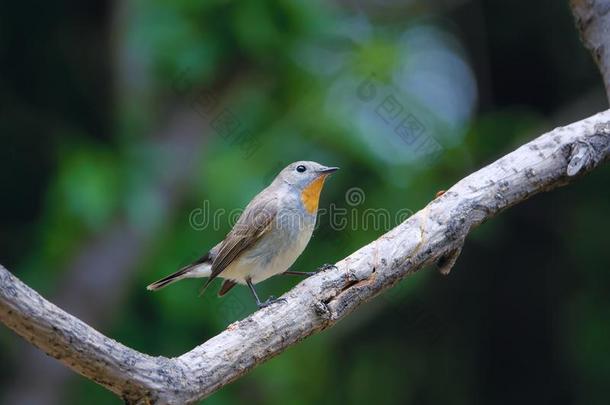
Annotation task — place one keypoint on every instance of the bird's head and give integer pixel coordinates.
(308, 179)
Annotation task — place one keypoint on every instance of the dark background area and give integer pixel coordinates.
(108, 145)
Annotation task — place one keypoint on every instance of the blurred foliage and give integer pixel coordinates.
(523, 317)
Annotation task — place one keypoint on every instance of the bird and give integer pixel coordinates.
(270, 234)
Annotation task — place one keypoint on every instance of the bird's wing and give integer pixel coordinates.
(256, 220)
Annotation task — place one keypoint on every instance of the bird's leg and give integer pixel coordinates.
(259, 304)
(249, 282)
(310, 273)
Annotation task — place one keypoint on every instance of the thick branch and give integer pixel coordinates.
(593, 21)
(436, 233)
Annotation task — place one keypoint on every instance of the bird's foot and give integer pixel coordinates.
(321, 268)
(310, 273)
(270, 301)
(325, 267)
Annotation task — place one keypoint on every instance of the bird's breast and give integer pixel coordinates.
(279, 249)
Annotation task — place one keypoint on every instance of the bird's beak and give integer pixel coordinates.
(328, 170)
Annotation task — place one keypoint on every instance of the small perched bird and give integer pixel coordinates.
(269, 236)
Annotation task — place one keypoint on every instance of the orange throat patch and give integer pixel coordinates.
(310, 196)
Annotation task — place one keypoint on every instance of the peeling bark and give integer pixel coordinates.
(434, 234)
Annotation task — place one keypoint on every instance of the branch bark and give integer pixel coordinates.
(434, 234)
(593, 22)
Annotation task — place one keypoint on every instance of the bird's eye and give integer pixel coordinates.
(301, 168)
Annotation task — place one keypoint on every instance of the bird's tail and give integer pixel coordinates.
(159, 284)
(191, 271)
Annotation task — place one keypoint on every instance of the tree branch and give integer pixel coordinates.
(436, 233)
(593, 22)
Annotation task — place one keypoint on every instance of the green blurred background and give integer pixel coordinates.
(121, 121)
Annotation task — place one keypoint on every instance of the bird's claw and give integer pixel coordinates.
(270, 301)
(321, 268)
(326, 267)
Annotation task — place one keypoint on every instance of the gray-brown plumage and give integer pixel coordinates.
(269, 236)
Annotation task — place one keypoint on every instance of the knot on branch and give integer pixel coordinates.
(465, 217)
(589, 152)
(321, 309)
(447, 261)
